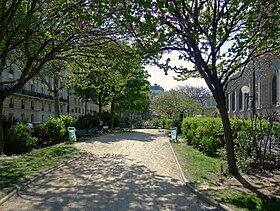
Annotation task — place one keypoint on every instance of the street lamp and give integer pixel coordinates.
(246, 90)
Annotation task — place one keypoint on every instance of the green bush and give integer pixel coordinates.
(18, 139)
(206, 134)
(68, 121)
(189, 127)
(82, 123)
(168, 123)
(56, 129)
(41, 133)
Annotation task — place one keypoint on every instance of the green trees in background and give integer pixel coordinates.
(115, 78)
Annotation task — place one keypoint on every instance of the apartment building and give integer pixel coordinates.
(35, 103)
(261, 97)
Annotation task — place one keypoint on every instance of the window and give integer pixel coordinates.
(50, 108)
(32, 105)
(233, 101)
(11, 104)
(31, 87)
(240, 99)
(43, 107)
(42, 117)
(22, 104)
(274, 91)
(32, 117)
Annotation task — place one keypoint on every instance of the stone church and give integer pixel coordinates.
(256, 93)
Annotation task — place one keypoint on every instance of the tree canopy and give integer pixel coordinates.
(219, 37)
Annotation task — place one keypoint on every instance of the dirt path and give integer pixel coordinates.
(120, 171)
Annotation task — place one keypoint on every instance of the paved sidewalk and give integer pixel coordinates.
(120, 171)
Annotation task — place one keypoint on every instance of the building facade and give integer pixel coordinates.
(155, 90)
(35, 103)
(263, 100)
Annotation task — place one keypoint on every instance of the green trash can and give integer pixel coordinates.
(173, 134)
(72, 134)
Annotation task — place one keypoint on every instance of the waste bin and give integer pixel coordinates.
(72, 134)
(173, 134)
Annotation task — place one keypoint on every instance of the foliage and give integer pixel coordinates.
(174, 104)
(41, 133)
(9, 121)
(13, 171)
(218, 37)
(117, 78)
(56, 129)
(18, 139)
(138, 123)
(68, 121)
(204, 133)
(82, 122)
(199, 168)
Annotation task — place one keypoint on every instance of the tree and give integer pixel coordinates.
(56, 70)
(174, 104)
(218, 37)
(199, 94)
(115, 77)
(35, 32)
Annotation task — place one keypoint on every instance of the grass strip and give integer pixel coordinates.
(19, 169)
(201, 169)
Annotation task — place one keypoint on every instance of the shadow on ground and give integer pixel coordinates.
(124, 136)
(104, 182)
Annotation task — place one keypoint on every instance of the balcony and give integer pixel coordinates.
(62, 100)
(34, 94)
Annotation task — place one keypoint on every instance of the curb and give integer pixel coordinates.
(193, 189)
(36, 176)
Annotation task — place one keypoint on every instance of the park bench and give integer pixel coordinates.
(83, 133)
(94, 131)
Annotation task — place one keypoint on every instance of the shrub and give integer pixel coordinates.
(41, 133)
(68, 121)
(18, 139)
(9, 122)
(138, 123)
(206, 134)
(82, 123)
(56, 129)
(155, 121)
(168, 123)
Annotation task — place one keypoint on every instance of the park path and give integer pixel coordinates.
(118, 171)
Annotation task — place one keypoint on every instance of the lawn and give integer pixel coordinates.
(19, 169)
(205, 174)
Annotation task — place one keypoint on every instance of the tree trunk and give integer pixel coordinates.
(228, 138)
(1, 127)
(112, 113)
(56, 97)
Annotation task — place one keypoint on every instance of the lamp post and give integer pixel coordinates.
(246, 90)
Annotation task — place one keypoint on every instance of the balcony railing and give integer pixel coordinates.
(35, 94)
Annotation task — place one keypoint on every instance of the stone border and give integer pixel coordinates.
(193, 189)
(36, 176)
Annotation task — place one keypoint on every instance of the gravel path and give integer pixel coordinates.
(120, 171)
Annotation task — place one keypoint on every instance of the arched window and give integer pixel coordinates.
(233, 101)
(274, 91)
(240, 95)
